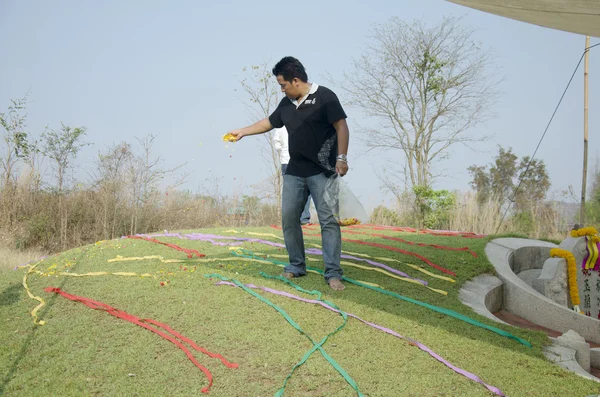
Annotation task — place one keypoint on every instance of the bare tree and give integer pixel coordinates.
(390, 184)
(16, 148)
(263, 96)
(61, 147)
(110, 182)
(426, 86)
(144, 175)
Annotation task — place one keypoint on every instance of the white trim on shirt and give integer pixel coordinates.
(313, 89)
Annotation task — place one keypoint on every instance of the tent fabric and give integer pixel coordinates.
(575, 16)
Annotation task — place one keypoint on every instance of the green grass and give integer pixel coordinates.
(85, 352)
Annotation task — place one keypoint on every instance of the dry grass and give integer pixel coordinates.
(543, 221)
(471, 216)
(9, 258)
(107, 209)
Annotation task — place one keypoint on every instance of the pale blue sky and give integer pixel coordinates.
(129, 68)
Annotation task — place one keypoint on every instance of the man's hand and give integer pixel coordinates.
(260, 127)
(341, 167)
(343, 136)
(238, 134)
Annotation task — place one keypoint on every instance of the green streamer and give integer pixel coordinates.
(448, 312)
(316, 346)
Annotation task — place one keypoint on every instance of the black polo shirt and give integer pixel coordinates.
(312, 139)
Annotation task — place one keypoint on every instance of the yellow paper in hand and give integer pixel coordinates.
(229, 138)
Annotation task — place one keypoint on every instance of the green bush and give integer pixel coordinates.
(434, 206)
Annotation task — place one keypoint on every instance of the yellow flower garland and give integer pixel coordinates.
(571, 273)
(584, 231)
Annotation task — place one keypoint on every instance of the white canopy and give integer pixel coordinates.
(576, 16)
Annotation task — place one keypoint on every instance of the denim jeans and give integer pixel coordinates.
(295, 193)
(305, 217)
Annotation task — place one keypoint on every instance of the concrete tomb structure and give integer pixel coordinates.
(534, 287)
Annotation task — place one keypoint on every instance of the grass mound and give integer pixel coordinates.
(84, 352)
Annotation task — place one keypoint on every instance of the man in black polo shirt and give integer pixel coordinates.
(318, 145)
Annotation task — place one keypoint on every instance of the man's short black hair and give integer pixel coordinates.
(288, 68)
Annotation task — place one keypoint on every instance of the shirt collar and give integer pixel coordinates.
(313, 89)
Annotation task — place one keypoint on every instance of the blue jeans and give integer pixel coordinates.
(295, 193)
(305, 217)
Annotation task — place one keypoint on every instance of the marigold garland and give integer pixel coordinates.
(584, 231)
(571, 273)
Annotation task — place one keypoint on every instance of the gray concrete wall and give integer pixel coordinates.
(524, 301)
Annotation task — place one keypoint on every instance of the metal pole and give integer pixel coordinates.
(585, 129)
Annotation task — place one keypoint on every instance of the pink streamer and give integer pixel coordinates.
(421, 346)
(239, 240)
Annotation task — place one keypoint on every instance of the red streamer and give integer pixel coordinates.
(142, 323)
(400, 240)
(388, 247)
(189, 252)
(423, 231)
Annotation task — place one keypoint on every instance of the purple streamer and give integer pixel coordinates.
(587, 257)
(25, 264)
(209, 238)
(421, 346)
(316, 251)
(313, 251)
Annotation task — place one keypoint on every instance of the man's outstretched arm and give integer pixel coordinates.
(259, 127)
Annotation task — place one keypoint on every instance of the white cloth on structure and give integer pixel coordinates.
(581, 16)
(280, 138)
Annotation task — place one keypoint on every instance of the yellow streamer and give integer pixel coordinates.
(593, 252)
(37, 298)
(383, 258)
(285, 256)
(255, 234)
(590, 233)
(266, 235)
(308, 270)
(120, 258)
(204, 260)
(409, 280)
(380, 258)
(129, 274)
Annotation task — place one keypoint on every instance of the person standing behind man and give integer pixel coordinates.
(318, 144)
(280, 138)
